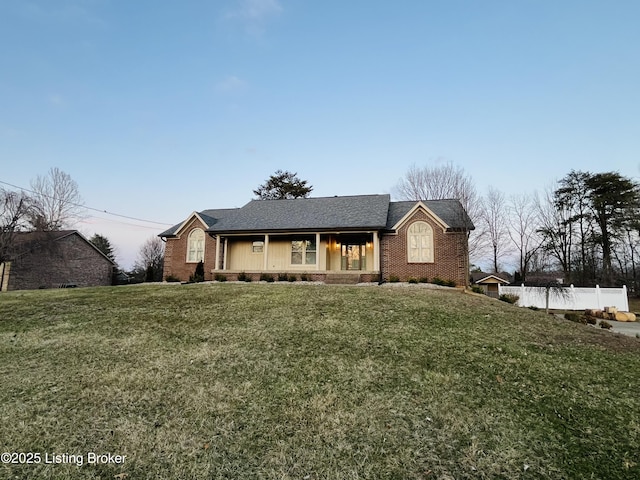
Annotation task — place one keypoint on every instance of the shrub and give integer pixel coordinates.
(198, 275)
(576, 317)
(423, 280)
(243, 277)
(605, 324)
(533, 307)
(450, 283)
(218, 277)
(265, 277)
(393, 279)
(171, 278)
(413, 280)
(304, 277)
(438, 281)
(477, 289)
(591, 320)
(292, 278)
(572, 316)
(509, 298)
(283, 277)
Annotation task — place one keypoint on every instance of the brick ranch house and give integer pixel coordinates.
(365, 238)
(54, 259)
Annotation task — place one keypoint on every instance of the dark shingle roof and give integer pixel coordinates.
(210, 217)
(358, 212)
(450, 212)
(24, 242)
(323, 213)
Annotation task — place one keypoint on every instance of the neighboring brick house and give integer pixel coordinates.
(54, 259)
(364, 238)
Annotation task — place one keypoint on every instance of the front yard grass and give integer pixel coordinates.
(213, 381)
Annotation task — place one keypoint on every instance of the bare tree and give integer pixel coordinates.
(56, 201)
(524, 231)
(14, 212)
(151, 259)
(494, 225)
(439, 182)
(557, 230)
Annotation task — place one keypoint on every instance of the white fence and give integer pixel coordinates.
(570, 298)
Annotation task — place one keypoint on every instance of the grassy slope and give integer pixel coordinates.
(310, 382)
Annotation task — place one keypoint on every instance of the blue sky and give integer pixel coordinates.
(158, 109)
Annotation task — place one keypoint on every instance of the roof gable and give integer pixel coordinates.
(416, 207)
(27, 241)
(491, 278)
(207, 218)
(449, 213)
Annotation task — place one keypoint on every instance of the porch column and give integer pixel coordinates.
(265, 252)
(376, 252)
(226, 252)
(217, 265)
(317, 251)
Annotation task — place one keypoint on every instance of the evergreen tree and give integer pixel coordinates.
(103, 244)
(613, 198)
(283, 185)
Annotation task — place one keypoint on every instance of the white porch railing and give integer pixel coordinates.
(569, 298)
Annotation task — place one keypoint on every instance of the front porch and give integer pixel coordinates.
(309, 253)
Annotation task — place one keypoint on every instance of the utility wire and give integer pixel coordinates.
(89, 208)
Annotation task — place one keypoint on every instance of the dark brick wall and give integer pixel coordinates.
(68, 260)
(450, 254)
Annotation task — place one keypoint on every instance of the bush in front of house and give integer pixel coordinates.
(509, 298)
(292, 278)
(413, 280)
(283, 277)
(198, 275)
(219, 277)
(265, 277)
(243, 277)
(171, 279)
(477, 289)
(394, 279)
(423, 280)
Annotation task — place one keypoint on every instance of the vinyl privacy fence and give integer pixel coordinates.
(570, 298)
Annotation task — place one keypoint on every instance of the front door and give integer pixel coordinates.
(354, 257)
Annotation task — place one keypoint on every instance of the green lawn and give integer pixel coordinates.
(213, 381)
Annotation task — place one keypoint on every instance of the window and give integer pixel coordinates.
(257, 247)
(303, 252)
(195, 247)
(420, 243)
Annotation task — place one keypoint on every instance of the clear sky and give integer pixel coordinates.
(159, 108)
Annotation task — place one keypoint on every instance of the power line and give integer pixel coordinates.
(90, 208)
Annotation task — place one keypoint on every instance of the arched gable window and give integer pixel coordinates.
(195, 246)
(420, 243)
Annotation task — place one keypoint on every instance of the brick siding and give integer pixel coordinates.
(450, 254)
(68, 260)
(175, 254)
